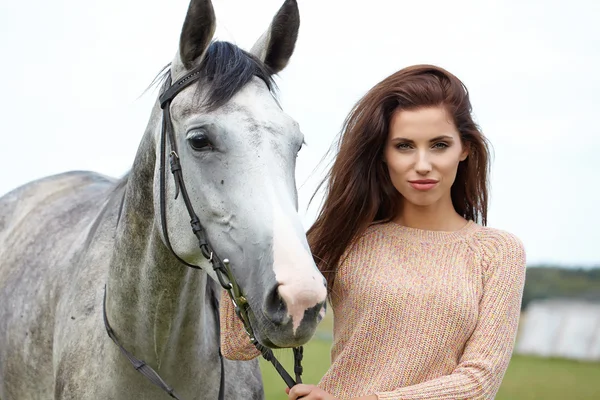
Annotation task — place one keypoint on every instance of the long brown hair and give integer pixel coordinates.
(359, 190)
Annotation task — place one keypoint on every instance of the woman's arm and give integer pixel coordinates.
(235, 344)
(489, 349)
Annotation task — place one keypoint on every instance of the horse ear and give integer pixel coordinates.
(197, 32)
(276, 45)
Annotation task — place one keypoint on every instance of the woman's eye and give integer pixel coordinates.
(440, 145)
(200, 142)
(403, 146)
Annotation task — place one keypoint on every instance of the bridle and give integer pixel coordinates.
(221, 267)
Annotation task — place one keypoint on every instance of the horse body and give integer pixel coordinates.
(40, 277)
(69, 240)
(60, 346)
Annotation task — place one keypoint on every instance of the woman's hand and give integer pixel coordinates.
(308, 392)
(312, 392)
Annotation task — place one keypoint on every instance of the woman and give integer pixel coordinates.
(426, 298)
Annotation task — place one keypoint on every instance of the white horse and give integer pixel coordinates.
(64, 238)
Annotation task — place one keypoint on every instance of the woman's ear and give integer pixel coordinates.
(465, 153)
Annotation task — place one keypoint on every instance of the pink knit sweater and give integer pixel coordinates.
(418, 314)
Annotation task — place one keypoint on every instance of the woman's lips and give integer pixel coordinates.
(423, 184)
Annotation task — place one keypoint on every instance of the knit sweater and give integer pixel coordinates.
(418, 314)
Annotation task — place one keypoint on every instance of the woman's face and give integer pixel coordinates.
(422, 153)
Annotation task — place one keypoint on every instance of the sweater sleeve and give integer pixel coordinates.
(235, 344)
(487, 353)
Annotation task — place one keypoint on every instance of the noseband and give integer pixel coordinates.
(221, 267)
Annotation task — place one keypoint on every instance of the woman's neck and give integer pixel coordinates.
(437, 217)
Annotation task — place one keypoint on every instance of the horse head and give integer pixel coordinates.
(237, 149)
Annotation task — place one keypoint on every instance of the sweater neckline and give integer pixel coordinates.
(424, 235)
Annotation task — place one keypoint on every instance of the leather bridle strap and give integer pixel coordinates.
(241, 307)
(167, 131)
(138, 364)
(145, 369)
(221, 267)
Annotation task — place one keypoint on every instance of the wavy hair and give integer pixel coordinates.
(359, 191)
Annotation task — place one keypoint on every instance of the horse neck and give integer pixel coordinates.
(153, 301)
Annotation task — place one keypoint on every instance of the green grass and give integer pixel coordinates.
(527, 378)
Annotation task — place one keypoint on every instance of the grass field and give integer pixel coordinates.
(527, 378)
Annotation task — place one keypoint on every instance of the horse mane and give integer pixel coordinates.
(225, 70)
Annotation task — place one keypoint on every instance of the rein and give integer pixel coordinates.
(221, 267)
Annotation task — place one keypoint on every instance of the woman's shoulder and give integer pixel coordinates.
(376, 237)
(376, 233)
(499, 247)
(497, 240)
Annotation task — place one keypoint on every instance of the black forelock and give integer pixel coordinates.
(225, 69)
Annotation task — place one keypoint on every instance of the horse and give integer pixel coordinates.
(86, 258)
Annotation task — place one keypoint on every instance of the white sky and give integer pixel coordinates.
(73, 72)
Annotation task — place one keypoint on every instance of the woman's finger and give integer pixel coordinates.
(300, 390)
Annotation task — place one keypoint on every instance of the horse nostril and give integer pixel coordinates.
(275, 307)
(316, 313)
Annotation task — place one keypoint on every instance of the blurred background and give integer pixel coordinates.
(73, 98)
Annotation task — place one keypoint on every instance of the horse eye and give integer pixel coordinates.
(199, 142)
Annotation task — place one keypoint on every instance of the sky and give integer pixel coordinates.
(75, 74)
